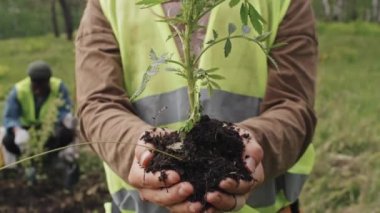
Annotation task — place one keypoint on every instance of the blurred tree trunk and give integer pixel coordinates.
(66, 16)
(326, 9)
(375, 11)
(338, 12)
(54, 18)
(352, 10)
(68, 19)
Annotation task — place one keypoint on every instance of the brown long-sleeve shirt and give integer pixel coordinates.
(284, 128)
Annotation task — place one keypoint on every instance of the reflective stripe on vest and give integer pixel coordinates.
(174, 106)
(26, 100)
(137, 32)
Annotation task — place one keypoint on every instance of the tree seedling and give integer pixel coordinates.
(196, 77)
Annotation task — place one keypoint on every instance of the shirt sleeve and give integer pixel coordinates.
(12, 110)
(67, 103)
(287, 120)
(105, 113)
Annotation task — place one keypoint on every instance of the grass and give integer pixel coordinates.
(347, 139)
(16, 54)
(345, 177)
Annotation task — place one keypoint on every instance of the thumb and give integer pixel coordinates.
(143, 152)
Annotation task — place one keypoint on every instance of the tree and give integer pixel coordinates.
(326, 9)
(338, 10)
(375, 11)
(66, 11)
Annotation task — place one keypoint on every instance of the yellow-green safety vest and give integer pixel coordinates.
(26, 100)
(245, 70)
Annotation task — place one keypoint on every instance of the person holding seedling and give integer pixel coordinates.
(39, 103)
(134, 73)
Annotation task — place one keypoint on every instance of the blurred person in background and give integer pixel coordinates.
(28, 105)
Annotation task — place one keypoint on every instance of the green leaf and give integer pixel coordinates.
(172, 20)
(254, 17)
(261, 19)
(212, 70)
(278, 45)
(181, 75)
(215, 85)
(153, 55)
(204, 83)
(152, 70)
(244, 14)
(273, 62)
(263, 36)
(172, 69)
(140, 90)
(215, 34)
(233, 3)
(210, 41)
(209, 88)
(169, 37)
(216, 77)
(227, 47)
(231, 28)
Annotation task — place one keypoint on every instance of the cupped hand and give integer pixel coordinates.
(171, 193)
(236, 193)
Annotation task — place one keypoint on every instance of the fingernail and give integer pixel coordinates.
(227, 183)
(145, 158)
(214, 197)
(250, 164)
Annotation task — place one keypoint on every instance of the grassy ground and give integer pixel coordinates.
(345, 177)
(16, 54)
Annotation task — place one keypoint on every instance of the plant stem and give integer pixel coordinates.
(192, 93)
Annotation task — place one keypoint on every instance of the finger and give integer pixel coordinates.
(186, 207)
(250, 164)
(220, 200)
(258, 175)
(143, 151)
(253, 153)
(167, 196)
(141, 179)
(213, 210)
(232, 186)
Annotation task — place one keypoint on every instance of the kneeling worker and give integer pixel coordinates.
(28, 105)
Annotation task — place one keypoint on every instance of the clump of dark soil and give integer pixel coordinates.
(211, 152)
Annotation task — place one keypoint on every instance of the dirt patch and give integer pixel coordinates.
(88, 195)
(211, 152)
